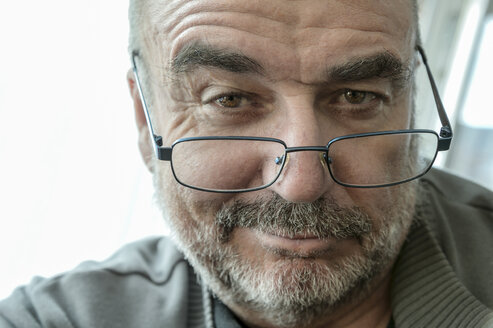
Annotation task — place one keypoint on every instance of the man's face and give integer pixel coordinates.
(293, 251)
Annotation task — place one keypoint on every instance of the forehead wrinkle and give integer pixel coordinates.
(265, 26)
(168, 16)
(260, 9)
(183, 40)
(364, 14)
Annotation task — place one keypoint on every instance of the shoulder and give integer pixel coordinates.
(460, 216)
(144, 282)
(453, 205)
(453, 189)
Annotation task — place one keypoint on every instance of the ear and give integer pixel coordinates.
(145, 145)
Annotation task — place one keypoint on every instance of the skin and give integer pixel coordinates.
(295, 42)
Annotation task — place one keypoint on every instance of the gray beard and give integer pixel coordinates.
(295, 290)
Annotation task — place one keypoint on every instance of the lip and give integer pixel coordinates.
(300, 244)
(295, 237)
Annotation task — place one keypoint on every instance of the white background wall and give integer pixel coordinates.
(72, 184)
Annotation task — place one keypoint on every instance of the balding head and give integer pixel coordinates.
(141, 13)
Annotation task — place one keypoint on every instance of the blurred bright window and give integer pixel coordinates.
(472, 152)
(478, 108)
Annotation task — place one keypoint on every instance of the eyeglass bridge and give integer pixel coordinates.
(324, 157)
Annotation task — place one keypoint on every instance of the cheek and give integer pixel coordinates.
(392, 211)
(185, 208)
(389, 203)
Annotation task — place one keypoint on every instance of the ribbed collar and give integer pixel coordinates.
(427, 293)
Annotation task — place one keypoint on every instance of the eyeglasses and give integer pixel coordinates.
(233, 164)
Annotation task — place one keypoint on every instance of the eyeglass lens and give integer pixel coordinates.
(382, 159)
(227, 164)
(233, 165)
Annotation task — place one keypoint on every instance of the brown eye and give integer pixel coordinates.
(356, 97)
(229, 101)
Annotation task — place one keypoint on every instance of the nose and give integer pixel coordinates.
(305, 176)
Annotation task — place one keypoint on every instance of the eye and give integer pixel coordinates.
(356, 97)
(231, 101)
(357, 104)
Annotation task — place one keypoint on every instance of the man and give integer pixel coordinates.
(286, 163)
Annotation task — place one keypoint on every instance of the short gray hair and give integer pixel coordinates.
(139, 24)
(136, 18)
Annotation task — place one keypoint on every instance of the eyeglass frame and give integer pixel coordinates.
(165, 153)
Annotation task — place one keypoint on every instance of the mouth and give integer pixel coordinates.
(299, 245)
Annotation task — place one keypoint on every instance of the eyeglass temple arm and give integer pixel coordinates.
(446, 129)
(162, 153)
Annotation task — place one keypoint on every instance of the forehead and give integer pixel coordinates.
(284, 35)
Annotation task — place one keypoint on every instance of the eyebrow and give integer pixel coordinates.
(381, 65)
(198, 54)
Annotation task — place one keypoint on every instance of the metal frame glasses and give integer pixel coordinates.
(165, 153)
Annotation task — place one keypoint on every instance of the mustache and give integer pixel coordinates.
(322, 219)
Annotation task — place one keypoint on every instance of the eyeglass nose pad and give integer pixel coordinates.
(325, 159)
(280, 159)
(322, 158)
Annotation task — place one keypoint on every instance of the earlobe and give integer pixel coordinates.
(145, 145)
